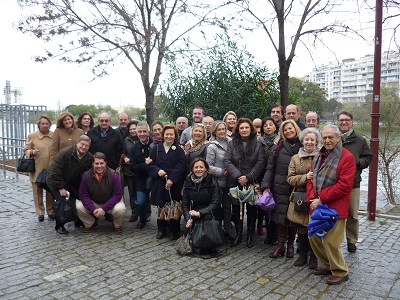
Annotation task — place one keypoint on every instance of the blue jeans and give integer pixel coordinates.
(141, 200)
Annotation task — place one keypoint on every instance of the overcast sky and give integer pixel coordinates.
(54, 83)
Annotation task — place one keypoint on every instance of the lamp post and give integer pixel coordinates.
(375, 114)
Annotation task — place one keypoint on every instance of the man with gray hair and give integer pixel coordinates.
(312, 119)
(292, 112)
(64, 175)
(333, 175)
(181, 124)
(140, 154)
(123, 130)
(107, 140)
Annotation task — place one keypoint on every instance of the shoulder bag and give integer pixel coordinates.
(300, 202)
(208, 234)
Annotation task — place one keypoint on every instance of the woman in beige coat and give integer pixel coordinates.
(66, 133)
(38, 146)
(299, 172)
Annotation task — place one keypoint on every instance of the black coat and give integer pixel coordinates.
(203, 197)
(111, 145)
(275, 178)
(138, 153)
(251, 164)
(174, 164)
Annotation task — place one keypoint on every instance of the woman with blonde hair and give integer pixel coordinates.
(38, 146)
(66, 133)
(275, 181)
(230, 119)
(197, 146)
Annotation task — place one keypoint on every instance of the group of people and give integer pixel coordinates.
(197, 165)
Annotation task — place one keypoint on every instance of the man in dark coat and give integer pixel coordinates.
(123, 130)
(292, 112)
(140, 160)
(107, 140)
(64, 174)
(359, 147)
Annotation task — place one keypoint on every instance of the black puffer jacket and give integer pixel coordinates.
(275, 178)
(250, 162)
(203, 197)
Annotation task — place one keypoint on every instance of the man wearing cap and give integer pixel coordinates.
(333, 175)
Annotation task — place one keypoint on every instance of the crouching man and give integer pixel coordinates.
(100, 192)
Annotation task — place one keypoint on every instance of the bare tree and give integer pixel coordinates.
(104, 32)
(287, 23)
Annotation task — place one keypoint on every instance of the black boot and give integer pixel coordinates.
(239, 234)
(251, 224)
(290, 241)
(238, 225)
(303, 247)
(271, 237)
(250, 234)
(313, 262)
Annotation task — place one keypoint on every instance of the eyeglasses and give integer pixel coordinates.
(345, 120)
(104, 121)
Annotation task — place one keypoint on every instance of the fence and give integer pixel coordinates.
(17, 121)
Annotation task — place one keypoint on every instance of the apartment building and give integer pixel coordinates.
(352, 79)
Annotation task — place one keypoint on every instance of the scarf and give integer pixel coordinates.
(325, 173)
(268, 141)
(197, 180)
(157, 140)
(346, 135)
(193, 146)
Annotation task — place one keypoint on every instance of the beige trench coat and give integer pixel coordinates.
(299, 166)
(43, 143)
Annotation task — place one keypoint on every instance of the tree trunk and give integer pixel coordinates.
(283, 80)
(149, 106)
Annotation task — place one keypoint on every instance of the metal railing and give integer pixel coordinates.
(17, 121)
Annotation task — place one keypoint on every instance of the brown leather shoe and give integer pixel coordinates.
(351, 247)
(89, 229)
(322, 271)
(332, 280)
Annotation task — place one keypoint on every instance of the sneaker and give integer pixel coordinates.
(41, 218)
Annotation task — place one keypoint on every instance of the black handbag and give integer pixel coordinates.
(41, 180)
(63, 210)
(300, 202)
(26, 164)
(208, 234)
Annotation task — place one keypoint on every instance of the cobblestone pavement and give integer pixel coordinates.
(37, 263)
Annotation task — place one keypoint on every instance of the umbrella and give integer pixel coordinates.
(323, 219)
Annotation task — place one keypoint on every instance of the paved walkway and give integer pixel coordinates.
(37, 263)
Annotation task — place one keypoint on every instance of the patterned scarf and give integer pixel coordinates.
(325, 174)
(347, 134)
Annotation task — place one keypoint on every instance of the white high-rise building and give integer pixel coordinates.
(352, 80)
